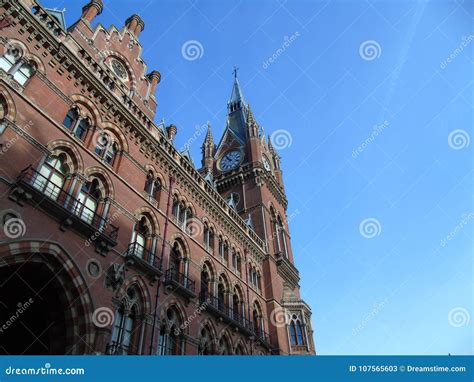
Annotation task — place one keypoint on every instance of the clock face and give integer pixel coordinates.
(266, 164)
(230, 160)
(119, 69)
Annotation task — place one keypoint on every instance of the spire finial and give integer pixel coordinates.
(236, 69)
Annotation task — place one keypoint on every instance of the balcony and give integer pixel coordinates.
(226, 313)
(144, 259)
(180, 283)
(58, 203)
(116, 348)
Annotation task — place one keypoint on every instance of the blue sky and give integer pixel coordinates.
(376, 99)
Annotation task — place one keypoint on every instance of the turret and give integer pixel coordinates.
(208, 150)
(135, 25)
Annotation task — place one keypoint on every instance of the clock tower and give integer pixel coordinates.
(244, 167)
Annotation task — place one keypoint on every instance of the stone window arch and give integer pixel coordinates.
(171, 340)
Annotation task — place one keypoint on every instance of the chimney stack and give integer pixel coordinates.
(171, 130)
(135, 25)
(91, 10)
(154, 77)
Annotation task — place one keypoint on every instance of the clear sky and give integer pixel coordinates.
(371, 105)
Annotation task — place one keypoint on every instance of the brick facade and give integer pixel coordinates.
(122, 244)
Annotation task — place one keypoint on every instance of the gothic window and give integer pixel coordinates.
(221, 296)
(205, 342)
(88, 200)
(297, 336)
(152, 185)
(257, 320)
(77, 124)
(171, 341)
(205, 284)
(208, 238)
(225, 252)
(51, 176)
(3, 114)
(140, 244)
(175, 258)
(236, 262)
(107, 148)
(12, 63)
(239, 350)
(224, 346)
(122, 331)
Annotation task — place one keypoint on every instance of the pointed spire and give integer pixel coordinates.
(270, 145)
(208, 148)
(209, 139)
(252, 125)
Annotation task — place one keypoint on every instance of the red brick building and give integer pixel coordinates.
(112, 241)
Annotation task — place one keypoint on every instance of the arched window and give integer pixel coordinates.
(206, 342)
(12, 63)
(257, 320)
(140, 238)
(224, 346)
(125, 332)
(77, 124)
(152, 185)
(238, 305)
(175, 258)
(205, 284)
(171, 341)
(236, 262)
(208, 238)
(221, 295)
(176, 207)
(297, 336)
(239, 350)
(225, 253)
(51, 176)
(88, 201)
(122, 331)
(107, 148)
(3, 114)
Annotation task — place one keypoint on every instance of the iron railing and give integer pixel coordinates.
(60, 197)
(137, 250)
(172, 275)
(117, 348)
